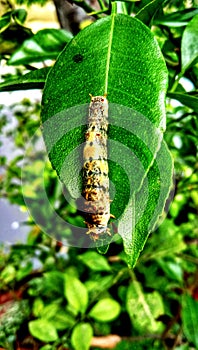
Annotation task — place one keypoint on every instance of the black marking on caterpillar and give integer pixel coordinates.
(95, 169)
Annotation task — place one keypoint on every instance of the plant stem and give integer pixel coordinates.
(113, 7)
(102, 5)
(176, 83)
(118, 7)
(121, 7)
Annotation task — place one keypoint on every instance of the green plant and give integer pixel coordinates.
(76, 292)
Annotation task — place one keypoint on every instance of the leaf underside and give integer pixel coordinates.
(32, 80)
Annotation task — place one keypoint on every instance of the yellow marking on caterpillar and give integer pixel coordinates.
(95, 169)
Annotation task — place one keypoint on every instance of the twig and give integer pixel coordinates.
(107, 342)
(110, 341)
(188, 258)
(88, 9)
(114, 258)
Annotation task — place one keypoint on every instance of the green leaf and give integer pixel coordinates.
(94, 261)
(76, 293)
(5, 21)
(117, 55)
(186, 99)
(57, 317)
(159, 243)
(143, 344)
(102, 249)
(38, 306)
(62, 320)
(8, 273)
(43, 330)
(97, 285)
(49, 311)
(149, 11)
(105, 310)
(176, 19)
(81, 336)
(182, 347)
(24, 271)
(145, 208)
(53, 283)
(172, 269)
(189, 44)
(46, 44)
(109, 64)
(144, 309)
(32, 80)
(19, 16)
(190, 319)
(46, 347)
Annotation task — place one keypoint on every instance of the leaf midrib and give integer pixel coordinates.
(144, 304)
(109, 53)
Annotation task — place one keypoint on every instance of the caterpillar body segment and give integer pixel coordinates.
(95, 169)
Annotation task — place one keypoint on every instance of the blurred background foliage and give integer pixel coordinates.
(55, 297)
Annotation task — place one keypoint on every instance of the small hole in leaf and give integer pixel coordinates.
(78, 58)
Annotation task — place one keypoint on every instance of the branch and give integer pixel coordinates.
(110, 341)
(107, 342)
(71, 13)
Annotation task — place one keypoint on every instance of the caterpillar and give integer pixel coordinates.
(95, 169)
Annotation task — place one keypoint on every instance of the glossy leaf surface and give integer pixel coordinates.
(148, 12)
(46, 44)
(144, 308)
(32, 80)
(76, 293)
(117, 55)
(81, 336)
(43, 330)
(189, 47)
(188, 100)
(189, 318)
(105, 310)
(146, 206)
